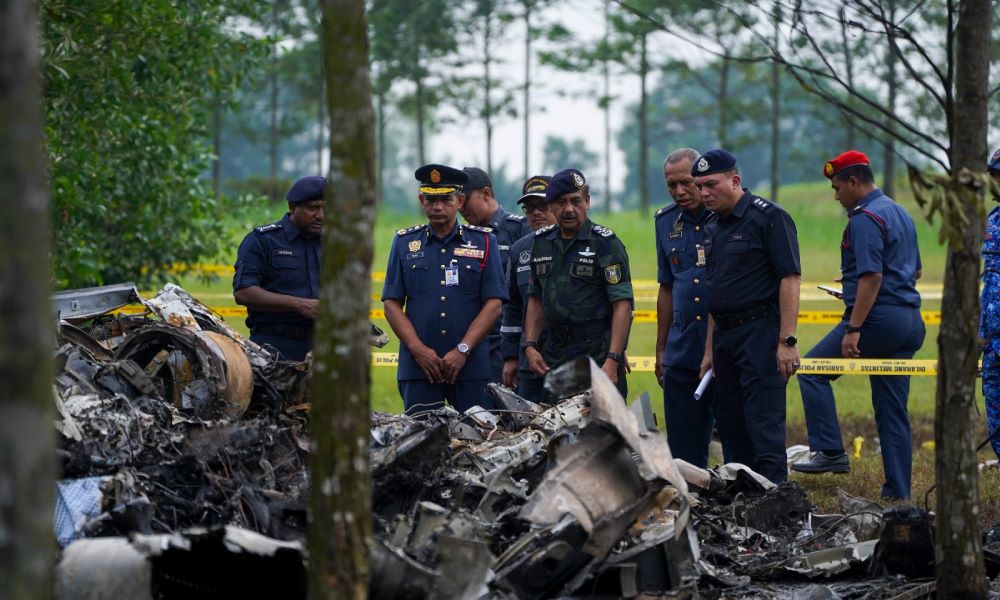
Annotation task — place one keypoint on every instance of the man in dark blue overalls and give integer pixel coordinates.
(682, 311)
(989, 318)
(516, 373)
(277, 272)
(448, 278)
(880, 265)
(482, 208)
(752, 253)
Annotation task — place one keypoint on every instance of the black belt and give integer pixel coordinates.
(292, 332)
(735, 319)
(579, 331)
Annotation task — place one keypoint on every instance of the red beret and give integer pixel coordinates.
(851, 158)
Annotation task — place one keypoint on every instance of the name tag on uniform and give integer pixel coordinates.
(451, 276)
(701, 255)
(469, 252)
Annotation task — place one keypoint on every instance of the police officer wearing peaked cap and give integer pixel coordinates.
(448, 278)
(483, 209)
(752, 255)
(989, 318)
(515, 371)
(277, 272)
(580, 295)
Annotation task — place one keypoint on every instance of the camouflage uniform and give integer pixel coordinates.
(989, 326)
(577, 281)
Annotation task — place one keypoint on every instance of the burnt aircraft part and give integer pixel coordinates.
(906, 546)
(85, 303)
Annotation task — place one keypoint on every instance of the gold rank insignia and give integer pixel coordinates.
(828, 169)
(435, 176)
(414, 245)
(613, 273)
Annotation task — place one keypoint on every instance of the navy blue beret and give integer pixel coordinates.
(713, 161)
(564, 182)
(994, 164)
(478, 179)
(307, 188)
(440, 180)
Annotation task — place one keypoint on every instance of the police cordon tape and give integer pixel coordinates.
(931, 317)
(817, 366)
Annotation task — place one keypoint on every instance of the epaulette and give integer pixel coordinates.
(761, 204)
(545, 229)
(266, 228)
(603, 231)
(665, 210)
(410, 229)
(514, 217)
(478, 228)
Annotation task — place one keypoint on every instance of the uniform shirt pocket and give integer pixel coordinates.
(470, 276)
(583, 270)
(415, 276)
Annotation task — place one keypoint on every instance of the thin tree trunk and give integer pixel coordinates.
(849, 71)
(723, 101)
(488, 92)
(527, 89)
(958, 552)
(27, 439)
(272, 139)
(776, 107)
(606, 66)
(889, 158)
(420, 120)
(380, 128)
(216, 145)
(340, 493)
(643, 129)
(320, 119)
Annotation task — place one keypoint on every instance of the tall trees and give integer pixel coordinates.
(27, 440)
(340, 491)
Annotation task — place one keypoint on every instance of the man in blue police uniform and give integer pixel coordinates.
(880, 265)
(482, 208)
(682, 311)
(752, 254)
(989, 320)
(277, 272)
(516, 373)
(580, 294)
(449, 279)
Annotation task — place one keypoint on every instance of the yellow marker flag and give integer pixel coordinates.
(858, 442)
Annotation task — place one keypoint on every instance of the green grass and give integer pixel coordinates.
(820, 222)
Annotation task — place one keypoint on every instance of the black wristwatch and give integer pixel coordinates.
(530, 344)
(790, 341)
(853, 329)
(616, 357)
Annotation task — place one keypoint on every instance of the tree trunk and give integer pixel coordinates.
(27, 439)
(527, 89)
(889, 158)
(775, 106)
(643, 129)
(380, 128)
(320, 119)
(958, 552)
(849, 71)
(340, 521)
(420, 120)
(488, 91)
(216, 145)
(723, 100)
(272, 138)
(606, 67)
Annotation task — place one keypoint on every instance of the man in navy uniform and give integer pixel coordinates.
(682, 311)
(516, 373)
(277, 272)
(580, 294)
(989, 317)
(449, 279)
(482, 208)
(752, 254)
(880, 265)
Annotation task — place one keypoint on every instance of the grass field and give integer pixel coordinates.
(820, 222)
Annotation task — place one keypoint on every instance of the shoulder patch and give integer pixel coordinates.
(410, 229)
(478, 228)
(603, 231)
(266, 228)
(514, 217)
(761, 204)
(665, 210)
(546, 229)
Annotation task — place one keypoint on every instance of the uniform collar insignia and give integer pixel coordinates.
(587, 252)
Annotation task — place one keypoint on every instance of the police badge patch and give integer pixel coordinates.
(414, 245)
(524, 257)
(578, 180)
(702, 165)
(613, 273)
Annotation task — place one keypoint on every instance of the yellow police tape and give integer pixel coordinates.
(931, 317)
(818, 366)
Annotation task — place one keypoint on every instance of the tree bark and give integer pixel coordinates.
(420, 121)
(849, 71)
(775, 106)
(340, 493)
(320, 119)
(27, 439)
(959, 557)
(380, 128)
(643, 129)
(216, 145)
(723, 100)
(889, 158)
(527, 88)
(606, 68)
(488, 84)
(272, 138)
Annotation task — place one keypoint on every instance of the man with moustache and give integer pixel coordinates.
(482, 208)
(448, 278)
(516, 373)
(277, 272)
(752, 258)
(682, 311)
(580, 293)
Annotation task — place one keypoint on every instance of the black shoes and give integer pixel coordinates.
(821, 463)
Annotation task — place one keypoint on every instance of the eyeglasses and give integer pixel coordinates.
(530, 208)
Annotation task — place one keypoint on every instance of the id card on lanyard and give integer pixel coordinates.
(451, 274)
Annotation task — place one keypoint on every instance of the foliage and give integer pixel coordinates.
(128, 92)
(561, 153)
